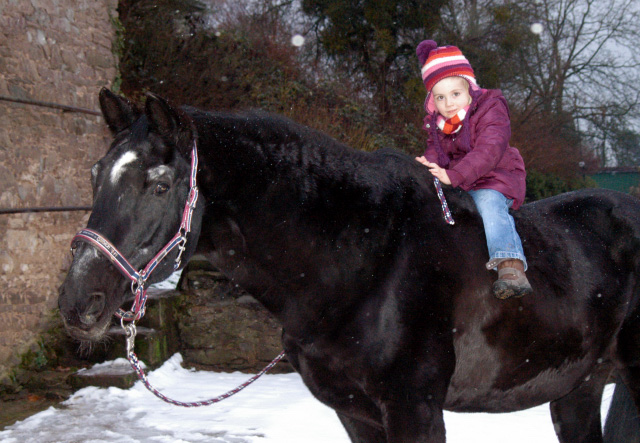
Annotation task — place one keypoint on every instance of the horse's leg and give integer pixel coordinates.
(411, 394)
(360, 432)
(623, 423)
(412, 404)
(628, 368)
(576, 416)
(340, 393)
(420, 423)
(625, 406)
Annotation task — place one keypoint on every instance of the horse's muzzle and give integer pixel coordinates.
(93, 309)
(84, 317)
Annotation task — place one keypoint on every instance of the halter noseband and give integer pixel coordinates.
(139, 278)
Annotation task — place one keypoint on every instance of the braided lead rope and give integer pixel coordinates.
(130, 332)
(443, 201)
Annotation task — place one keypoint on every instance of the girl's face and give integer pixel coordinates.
(450, 95)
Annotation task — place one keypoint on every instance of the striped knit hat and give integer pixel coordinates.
(442, 62)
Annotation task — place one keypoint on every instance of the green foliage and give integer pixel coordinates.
(117, 47)
(169, 52)
(359, 81)
(375, 41)
(542, 185)
(36, 358)
(250, 63)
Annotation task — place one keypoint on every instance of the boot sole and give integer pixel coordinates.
(503, 290)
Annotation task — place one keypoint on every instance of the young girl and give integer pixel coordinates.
(468, 147)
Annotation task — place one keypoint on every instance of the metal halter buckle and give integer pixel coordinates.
(181, 247)
(130, 334)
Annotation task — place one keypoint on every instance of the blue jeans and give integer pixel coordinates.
(502, 239)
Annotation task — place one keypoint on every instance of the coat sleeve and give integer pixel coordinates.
(430, 152)
(488, 145)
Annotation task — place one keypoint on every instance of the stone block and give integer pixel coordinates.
(119, 374)
(102, 60)
(69, 58)
(221, 327)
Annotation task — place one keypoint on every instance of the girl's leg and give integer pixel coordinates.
(502, 239)
(505, 248)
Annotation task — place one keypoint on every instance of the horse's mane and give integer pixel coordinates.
(320, 166)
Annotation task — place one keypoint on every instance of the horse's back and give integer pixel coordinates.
(598, 227)
(583, 254)
(597, 209)
(583, 250)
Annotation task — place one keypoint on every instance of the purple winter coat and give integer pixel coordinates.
(479, 156)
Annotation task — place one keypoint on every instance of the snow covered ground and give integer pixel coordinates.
(275, 409)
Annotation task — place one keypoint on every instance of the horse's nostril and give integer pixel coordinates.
(87, 320)
(95, 305)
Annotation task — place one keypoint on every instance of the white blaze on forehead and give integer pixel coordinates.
(118, 167)
(158, 171)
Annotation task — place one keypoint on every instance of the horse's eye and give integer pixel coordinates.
(161, 188)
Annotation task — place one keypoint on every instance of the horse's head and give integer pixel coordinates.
(139, 191)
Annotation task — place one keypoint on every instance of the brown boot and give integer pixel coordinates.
(511, 280)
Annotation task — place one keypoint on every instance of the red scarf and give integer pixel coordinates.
(453, 124)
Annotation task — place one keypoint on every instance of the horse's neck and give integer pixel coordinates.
(305, 227)
(287, 252)
(257, 154)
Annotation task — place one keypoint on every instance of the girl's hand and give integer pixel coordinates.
(438, 172)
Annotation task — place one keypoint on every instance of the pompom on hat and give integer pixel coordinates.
(442, 62)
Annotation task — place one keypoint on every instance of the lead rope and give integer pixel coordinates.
(139, 287)
(443, 201)
(130, 331)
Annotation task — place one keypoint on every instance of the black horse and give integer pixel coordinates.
(387, 310)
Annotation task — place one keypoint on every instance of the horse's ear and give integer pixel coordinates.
(118, 112)
(171, 123)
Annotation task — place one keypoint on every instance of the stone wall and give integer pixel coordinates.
(57, 51)
(221, 327)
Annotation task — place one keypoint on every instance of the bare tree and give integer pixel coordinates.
(569, 68)
(583, 64)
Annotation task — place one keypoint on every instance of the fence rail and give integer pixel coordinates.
(44, 209)
(64, 108)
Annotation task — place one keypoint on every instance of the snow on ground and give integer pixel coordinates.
(275, 409)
